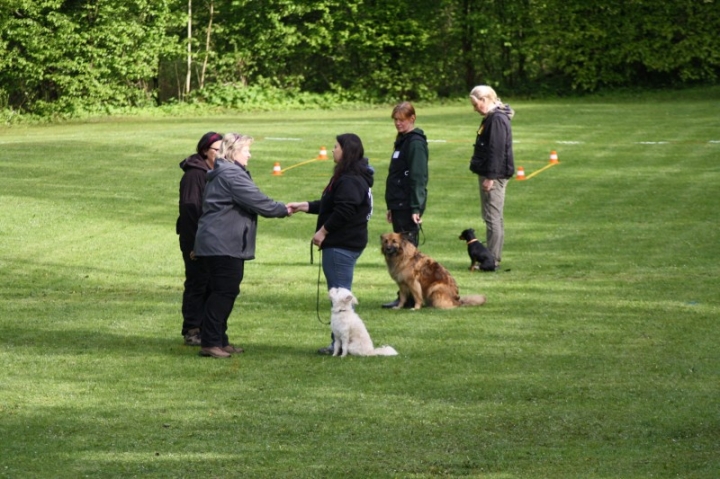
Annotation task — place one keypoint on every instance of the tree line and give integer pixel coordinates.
(73, 55)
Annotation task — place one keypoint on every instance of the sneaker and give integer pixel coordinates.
(409, 304)
(214, 352)
(327, 350)
(192, 337)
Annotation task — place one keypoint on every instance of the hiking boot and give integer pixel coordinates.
(232, 349)
(214, 352)
(192, 337)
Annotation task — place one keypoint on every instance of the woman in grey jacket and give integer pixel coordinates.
(226, 237)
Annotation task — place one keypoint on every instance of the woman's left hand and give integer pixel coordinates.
(319, 236)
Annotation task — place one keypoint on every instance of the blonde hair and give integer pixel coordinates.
(484, 91)
(233, 142)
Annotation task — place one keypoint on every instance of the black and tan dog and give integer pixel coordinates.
(480, 256)
(420, 277)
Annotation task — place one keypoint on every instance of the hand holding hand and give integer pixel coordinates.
(297, 206)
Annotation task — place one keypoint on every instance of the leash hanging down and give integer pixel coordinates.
(317, 299)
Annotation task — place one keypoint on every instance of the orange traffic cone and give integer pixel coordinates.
(323, 153)
(554, 157)
(276, 169)
(520, 173)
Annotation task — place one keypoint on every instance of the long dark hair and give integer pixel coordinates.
(353, 156)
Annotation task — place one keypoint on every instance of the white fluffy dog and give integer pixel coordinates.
(351, 336)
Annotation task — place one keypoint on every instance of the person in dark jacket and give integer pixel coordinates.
(343, 210)
(493, 162)
(192, 186)
(406, 184)
(226, 237)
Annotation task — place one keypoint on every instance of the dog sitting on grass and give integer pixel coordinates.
(351, 336)
(480, 256)
(421, 277)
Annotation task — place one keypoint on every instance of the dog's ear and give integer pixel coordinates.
(349, 298)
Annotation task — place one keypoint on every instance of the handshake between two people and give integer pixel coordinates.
(303, 206)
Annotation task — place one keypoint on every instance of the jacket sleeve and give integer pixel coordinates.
(349, 196)
(248, 196)
(314, 207)
(418, 165)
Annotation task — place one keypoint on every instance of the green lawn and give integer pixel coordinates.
(596, 356)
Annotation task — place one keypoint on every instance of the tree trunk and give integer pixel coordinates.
(207, 47)
(189, 48)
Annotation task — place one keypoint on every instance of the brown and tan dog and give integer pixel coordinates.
(421, 277)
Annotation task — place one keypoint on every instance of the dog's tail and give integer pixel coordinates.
(385, 351)
(473, 300)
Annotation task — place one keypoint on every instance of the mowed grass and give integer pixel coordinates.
(596, 355)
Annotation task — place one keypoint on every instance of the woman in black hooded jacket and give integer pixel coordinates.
(343, 210)
(192, 187)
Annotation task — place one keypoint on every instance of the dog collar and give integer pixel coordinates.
(472, 241)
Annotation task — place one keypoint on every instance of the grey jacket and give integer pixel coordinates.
(231, 205)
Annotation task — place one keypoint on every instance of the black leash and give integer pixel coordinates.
(317, 299)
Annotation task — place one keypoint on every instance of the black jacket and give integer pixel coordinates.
(493, 154)
(344, 209)
(192, 186)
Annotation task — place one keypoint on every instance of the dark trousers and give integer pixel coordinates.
(403, 223)
(195, 294)
(226, 274)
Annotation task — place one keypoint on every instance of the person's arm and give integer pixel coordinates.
(417, 158)
(248, 196)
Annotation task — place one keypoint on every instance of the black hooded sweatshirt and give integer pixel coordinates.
(345, 209)
(192, 187)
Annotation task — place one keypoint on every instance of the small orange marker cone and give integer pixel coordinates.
(554, 157)
(323, 153)
(520, 174)
(276, 169)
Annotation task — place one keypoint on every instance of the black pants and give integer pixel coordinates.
(226, 274)
(195, 294)
(403, 223)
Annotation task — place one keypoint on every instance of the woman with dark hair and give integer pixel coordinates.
(343, 211)
(192, 187)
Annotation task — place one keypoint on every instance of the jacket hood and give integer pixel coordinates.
(369, 173)
(505, 110)
(194, 161)
(416, 131)
(221, 164)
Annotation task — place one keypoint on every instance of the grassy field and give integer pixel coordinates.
(596, 356)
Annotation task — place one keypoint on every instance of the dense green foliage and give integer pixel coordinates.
(596, 356)
(87, 55)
